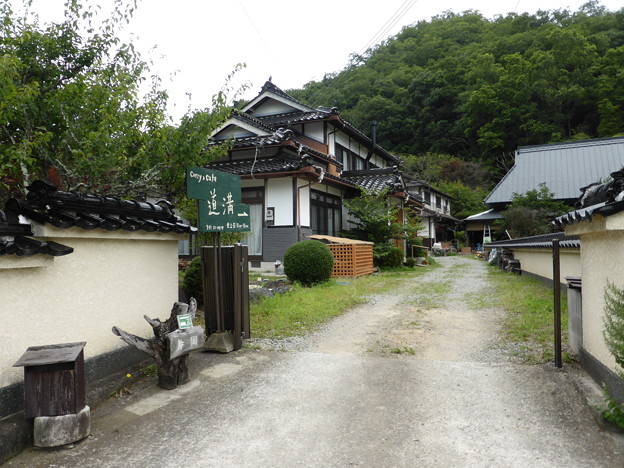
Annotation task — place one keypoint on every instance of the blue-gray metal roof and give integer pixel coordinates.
(563, 167)
(489, 215)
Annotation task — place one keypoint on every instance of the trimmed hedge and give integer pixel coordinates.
(308, 262)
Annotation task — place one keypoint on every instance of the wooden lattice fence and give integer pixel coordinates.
(352, 258)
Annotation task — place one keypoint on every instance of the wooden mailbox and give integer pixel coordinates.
(54, 379)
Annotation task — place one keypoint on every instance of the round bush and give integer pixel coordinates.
(308, 262)
(391, 257)
(192, 281)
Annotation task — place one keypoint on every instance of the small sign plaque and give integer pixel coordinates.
(184, 321)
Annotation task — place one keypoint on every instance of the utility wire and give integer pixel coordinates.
(388, 25)
(253, 25)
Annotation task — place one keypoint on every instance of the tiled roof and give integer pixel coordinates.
(437, 214)
(293, 117)
(543, 241)
(47, 205)
(246, 142)
(25, 247)
(563, 167)
(412, 182)
(259, 166)
(14, 240)
(270, 87)
(253, 121)
(587, 214)
(311, 114)
(376, 180)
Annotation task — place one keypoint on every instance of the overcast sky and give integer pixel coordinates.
(195, 44)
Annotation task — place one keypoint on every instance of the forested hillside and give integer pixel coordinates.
(477, 88)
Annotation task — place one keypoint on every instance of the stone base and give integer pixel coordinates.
(221, 342)
(53, 431)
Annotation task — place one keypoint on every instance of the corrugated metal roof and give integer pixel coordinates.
(489, 215)
(563, 167)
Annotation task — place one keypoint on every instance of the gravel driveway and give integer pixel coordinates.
(416, 378)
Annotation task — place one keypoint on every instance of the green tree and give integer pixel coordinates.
(466, 200)
(531, 213)
(71, 108)
(377, 221)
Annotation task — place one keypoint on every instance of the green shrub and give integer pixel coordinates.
(388, 257)
(613, 320)
(308, 262)
(410, 262)
(417, 248)
(192, 281)
(612, 411)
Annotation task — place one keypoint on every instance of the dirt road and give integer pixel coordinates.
(413, 378)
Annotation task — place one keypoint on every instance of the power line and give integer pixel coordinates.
(253, 25)
(388, 25)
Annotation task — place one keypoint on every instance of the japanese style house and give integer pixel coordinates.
(297, 164)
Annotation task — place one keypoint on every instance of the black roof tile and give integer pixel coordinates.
(46, 204)
(543, 241)
(14, 240)
(376, 180)
(259, 166)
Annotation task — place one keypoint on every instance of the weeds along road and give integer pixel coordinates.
(415, 378)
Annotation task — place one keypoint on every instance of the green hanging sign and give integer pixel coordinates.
(219, 196)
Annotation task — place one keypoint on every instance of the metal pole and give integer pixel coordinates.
(557, 301)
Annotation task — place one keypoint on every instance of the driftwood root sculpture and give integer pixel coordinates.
(171, 372)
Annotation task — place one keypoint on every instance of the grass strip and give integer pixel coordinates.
(529, 321)
(305, 309)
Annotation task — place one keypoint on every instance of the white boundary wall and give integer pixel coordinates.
(111, 278)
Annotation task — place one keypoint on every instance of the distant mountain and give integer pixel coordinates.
(477, 88)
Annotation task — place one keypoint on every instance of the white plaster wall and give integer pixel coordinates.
(540, 262)
(428, 227)
(332, 190)
(234, 131)
(250, 183)
(304, 201)
(315, 130)
(602, 255)
(341, 139)
(379, 162)
(279, 194)
(272, 106)
(109, 279)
